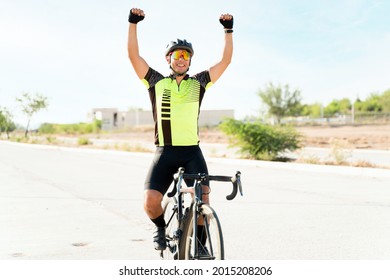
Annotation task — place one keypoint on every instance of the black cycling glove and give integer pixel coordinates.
(228, 24)
(134, 18)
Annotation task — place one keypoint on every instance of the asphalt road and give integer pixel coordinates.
(65, 203)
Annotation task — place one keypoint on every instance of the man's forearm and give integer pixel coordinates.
(228, 48)
(132, 42)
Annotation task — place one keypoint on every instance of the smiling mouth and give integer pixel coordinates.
(181, 68)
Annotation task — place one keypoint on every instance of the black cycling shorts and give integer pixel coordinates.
(167, 161)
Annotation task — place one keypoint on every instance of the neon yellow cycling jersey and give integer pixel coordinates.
(176, 107)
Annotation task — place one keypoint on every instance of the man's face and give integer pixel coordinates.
(179, 60)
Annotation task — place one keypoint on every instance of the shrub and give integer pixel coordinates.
(82, 141)
(77, 128)
(260, 141)
(48, 128)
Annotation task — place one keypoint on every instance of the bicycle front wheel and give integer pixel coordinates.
(204, 244)
(170, 215)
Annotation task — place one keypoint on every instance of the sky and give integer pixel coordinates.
(75, 53)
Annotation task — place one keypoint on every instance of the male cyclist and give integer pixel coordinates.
(176, 101)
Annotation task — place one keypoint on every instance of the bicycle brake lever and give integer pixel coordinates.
(240, 187)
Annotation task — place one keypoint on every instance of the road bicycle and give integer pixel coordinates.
(193, 230)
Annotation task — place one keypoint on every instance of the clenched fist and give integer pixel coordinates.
(136, 15)
(226, 20)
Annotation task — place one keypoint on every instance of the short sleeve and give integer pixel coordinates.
(204, 79)
(151, 78)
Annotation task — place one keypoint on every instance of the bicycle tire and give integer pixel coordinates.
(213, 230)
(170, 216)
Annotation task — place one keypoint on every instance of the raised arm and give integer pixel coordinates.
(139, 64)
(217, 70)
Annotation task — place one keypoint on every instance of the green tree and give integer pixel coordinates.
(312, 110)
(384, 100)
(358, 105)
(6, 123)
(31, 104)
(371, 104)
(338, 107)
(281, 101)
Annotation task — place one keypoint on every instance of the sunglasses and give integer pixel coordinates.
(181, 53)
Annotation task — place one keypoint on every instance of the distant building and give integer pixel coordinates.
(113, 119)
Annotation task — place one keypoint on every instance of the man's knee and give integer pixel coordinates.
(152, 200)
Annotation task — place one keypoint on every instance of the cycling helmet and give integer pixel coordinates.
(179, 44)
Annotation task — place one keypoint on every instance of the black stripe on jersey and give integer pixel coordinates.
(166, 117)
(166, 128)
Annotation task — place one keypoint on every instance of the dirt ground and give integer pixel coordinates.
(358, 137)
(354, 137)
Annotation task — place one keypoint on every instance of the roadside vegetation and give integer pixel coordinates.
(30, 105)
(273, 135)
(268, 137)
(261, 141)
(71, 129)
